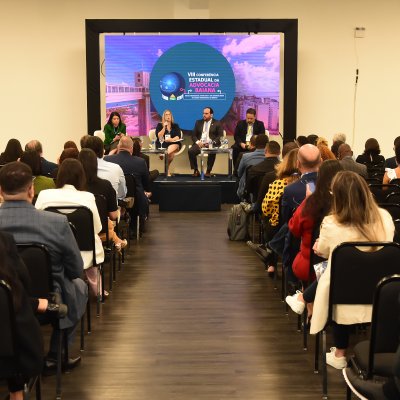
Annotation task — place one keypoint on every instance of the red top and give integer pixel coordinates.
(302, 227)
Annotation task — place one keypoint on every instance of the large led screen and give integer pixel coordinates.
(147, 74)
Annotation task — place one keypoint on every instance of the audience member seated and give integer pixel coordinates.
(339, 137)
(40, 182)
(394, 173)
(244, 131)
(301, 141)
(355, 217)
(335, 148)
(256, 173)
(170, 132)
(309, 215)
(12, 152)
(269, 177)
(47, 166)
(70, 144)
(372, 159)
(286, 173)
(69, 152)
(71, 191)
(99, 186)
(207, 130)
(137, 151)
(114, 129)
(28, 336)
(391, 161)
(308, 162)
(106, 170)
(249, 159)
(345, 155)
(326, 154)
(312, 139)
(137, 167)
(28, 225)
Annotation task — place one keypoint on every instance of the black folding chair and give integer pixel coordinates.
(376, 357)
(381, 191)
(108, 245)
(131, 193)
(392, 209)
(350, 264)
(393, 197)
(81, 218)
(9, 350)
(36, 258)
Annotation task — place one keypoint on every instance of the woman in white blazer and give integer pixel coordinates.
(71, 185)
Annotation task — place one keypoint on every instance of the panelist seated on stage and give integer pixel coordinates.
(245, 129)
(206, 130)
(113, 130)
(168, 135)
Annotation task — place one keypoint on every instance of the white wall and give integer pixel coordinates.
(42, 64)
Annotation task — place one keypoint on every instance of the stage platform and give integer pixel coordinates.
(186, 193)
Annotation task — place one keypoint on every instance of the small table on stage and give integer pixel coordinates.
(216, 150)
(159, 151)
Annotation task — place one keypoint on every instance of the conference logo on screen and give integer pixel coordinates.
(189, 77)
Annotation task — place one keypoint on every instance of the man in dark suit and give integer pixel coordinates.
(245, 129)
(205, 130)
(345, 155)
(20, 218)
(308, 162)
(137, 167)
(47, 166)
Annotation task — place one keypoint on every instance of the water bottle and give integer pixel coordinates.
(202, 175)
(153, 144)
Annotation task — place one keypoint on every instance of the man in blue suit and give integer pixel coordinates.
(308, 162)
(21, 219)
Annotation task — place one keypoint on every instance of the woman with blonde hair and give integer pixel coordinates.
(286, 173)
(170, 134)
(354, 217)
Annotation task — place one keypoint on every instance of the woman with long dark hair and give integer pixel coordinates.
(12, 152)
(71, 190)
(113, 130)
(99, 186)
(309, 215)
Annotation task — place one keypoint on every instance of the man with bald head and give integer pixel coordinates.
(136, 166)
(345, 155)
(308, 162)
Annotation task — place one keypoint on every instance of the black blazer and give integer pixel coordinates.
(241, 130)
(215, 132)
(28, 336)
(137, 167)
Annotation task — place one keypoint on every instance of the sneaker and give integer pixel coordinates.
(335, 362)
(296, 305)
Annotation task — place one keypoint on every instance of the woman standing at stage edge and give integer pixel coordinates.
(170, 135)
(113, 130)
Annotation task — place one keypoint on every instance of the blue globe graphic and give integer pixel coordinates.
(172, 84)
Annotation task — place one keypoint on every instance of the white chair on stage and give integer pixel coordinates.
(100, 134)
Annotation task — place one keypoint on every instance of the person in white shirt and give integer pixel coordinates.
(207, 130)
(105, 169)
(70, 184)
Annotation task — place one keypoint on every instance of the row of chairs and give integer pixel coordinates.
(37, 259)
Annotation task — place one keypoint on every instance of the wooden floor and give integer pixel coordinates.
(192, 317)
